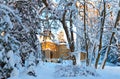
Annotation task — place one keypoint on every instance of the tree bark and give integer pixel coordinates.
(69, 35)
(72, 36)
(85, 35)
(63, 21)
(45, 2)
(110, 42)
(72, 40)
(101, 34)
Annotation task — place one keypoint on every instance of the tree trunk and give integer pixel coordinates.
(66, 28)
(71, 31)
(110, 42)
(70, 38)
(101, 34)
(85, 35)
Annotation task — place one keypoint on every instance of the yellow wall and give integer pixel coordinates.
(49, 46)
(56, 50)
(53, 50)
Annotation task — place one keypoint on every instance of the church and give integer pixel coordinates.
(56, 51)
(53, 51)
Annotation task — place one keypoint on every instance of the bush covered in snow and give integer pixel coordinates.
(73, 71)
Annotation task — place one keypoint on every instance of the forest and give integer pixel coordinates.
(89, 26)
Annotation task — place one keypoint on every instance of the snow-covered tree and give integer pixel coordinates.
(18, 28)
(9, 45)
(100, 17)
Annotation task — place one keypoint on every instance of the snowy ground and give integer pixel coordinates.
(47, 71)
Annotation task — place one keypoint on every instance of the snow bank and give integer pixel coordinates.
(74, 71)
(61, 71)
